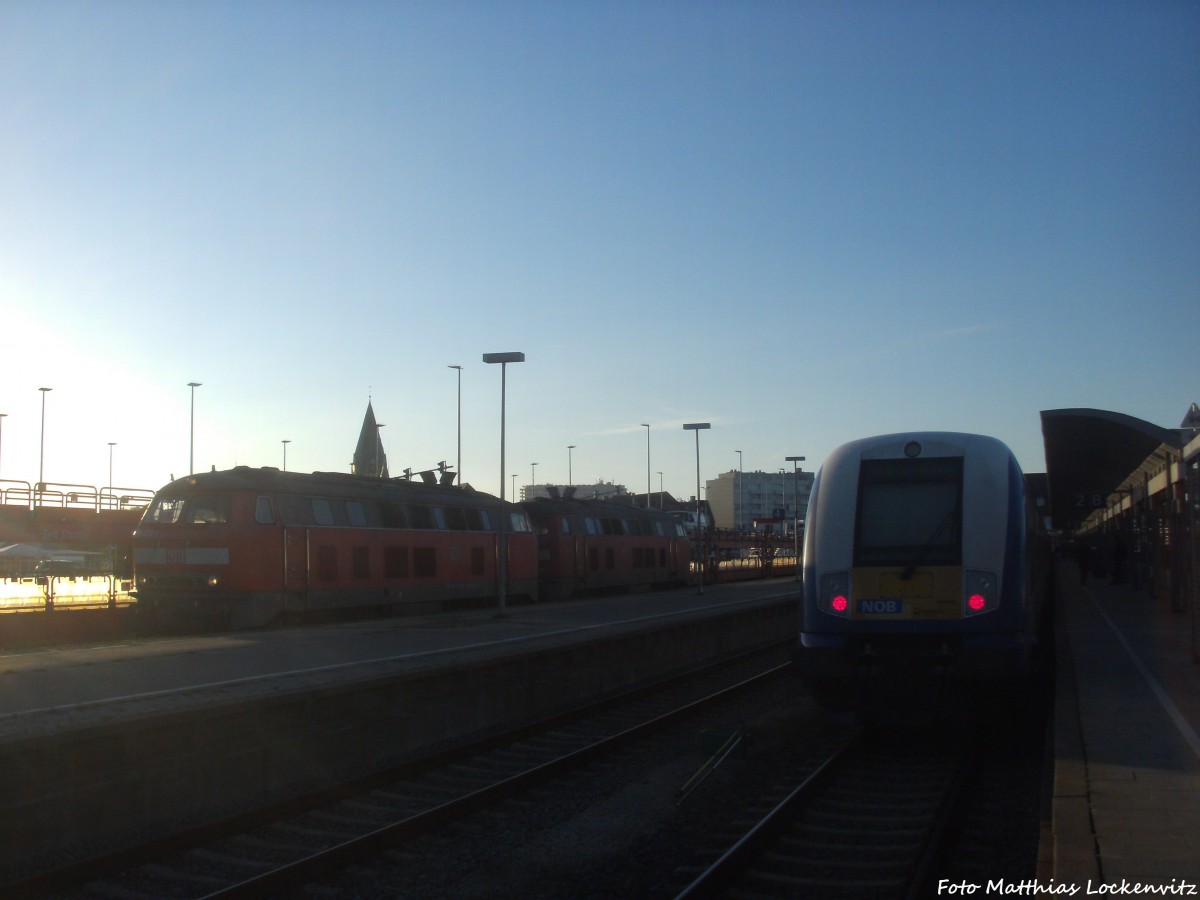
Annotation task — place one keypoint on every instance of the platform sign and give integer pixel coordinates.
(1089, 500)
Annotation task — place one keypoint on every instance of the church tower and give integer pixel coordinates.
(369, 457)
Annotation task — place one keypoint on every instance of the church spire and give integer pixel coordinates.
(369, 456)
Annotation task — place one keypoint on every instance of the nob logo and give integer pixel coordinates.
(879, 606)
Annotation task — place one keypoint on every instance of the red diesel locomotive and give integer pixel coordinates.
(594, 546)
(245, 546)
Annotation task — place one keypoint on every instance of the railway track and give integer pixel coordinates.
(869, 822)
(272, 851)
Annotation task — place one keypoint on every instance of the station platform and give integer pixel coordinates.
(105, 743)
(1126, 795)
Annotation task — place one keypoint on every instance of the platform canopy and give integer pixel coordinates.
(1090, 454)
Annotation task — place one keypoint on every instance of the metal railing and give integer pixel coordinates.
(33, 495)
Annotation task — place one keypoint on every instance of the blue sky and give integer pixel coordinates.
(801, 222)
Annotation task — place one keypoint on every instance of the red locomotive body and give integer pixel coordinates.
(590, 546)
(246, 546)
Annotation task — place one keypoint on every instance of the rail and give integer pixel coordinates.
(34, 495)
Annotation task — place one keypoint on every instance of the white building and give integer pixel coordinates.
(738, 498)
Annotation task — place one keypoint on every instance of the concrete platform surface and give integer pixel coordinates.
(65, 683)
(1126, 807)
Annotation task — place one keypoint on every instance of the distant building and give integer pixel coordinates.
(738, 498)
(369, 457)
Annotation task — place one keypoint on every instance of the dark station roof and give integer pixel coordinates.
(1090, 453)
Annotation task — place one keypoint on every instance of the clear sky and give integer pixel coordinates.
(802, 222)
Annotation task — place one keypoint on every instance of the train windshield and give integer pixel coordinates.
(909, 512)
(164, 511)
(203, 509)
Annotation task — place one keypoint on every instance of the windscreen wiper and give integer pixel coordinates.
(911, 569)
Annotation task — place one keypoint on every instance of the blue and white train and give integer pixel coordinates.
(922, 569)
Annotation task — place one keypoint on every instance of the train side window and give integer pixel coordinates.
(421, 517)
(212, 509)
(593, 525)
(393, 515)
(565, 525)
(520, 523)
(454, 518)
(294, 510)
(355, 513)
(485, 520)
(395, 562)
(264, 511)
(322, 511)
(474, 520)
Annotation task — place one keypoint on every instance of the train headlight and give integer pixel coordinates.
(834, 597)
(213, 581)
(980, 592)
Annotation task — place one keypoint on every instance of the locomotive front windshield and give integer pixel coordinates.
(909, 512)
(200, 509)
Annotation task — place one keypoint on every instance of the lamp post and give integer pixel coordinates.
(111, 444)
(192, 434)
(697, 427)
(570, 474)
(459, 470)
(647, 427)
(502, 551)
(737, 519)
(42, 456)
(660, 491)
(285, 442)
(795, 461)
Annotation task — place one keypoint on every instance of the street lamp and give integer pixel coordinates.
(502, 568)
(795, 461)
(460, 478)
(285, 442)
(42, 457)
(698, 427)
(532, 479)
(737, 519)
(111, 444)
(660, 491)
(570, 474)
(192, 437)
(647, 427)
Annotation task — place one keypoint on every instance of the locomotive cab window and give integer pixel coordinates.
(164, 511)
(909, 512)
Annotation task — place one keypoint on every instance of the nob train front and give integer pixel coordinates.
(916, 570)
